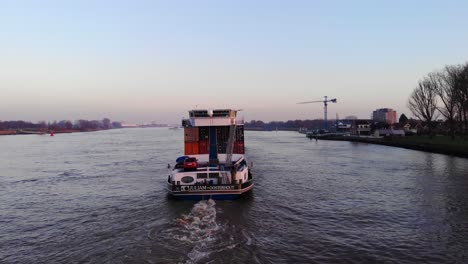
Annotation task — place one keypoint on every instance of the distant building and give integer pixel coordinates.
(361, 127)
(410, 129)
(386, 115)
(127, 125)
(351, 117)
(344, 126)
(389, 133)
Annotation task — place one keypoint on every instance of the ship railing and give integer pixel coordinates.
(206, 187)
(209, 187)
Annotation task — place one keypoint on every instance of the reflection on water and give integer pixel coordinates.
(100, 198)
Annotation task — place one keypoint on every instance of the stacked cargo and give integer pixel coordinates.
(223, 138)
(204, 147)
(239, 147)
(239, 143)
(204, 143)
(222, 135)
(191, 138)
(197, 140)
(240, 133)
(191, 134)
(204, 133)
(191, 148)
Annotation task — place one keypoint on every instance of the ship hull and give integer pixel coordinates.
(192, 194)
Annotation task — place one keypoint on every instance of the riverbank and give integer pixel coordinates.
(438, 144)
(42, 132)
(7, 132)
(268, 129)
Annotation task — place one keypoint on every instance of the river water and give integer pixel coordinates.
(100, 198)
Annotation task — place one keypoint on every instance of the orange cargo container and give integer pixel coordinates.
(204, 147)
(191, 148)
(191, 134)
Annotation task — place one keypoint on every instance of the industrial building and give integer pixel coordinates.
(386, 115)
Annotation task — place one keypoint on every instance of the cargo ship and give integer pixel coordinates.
(214, 165)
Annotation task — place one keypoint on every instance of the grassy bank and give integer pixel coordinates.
(438, 144)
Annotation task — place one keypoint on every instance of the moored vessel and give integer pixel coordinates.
(214, 165)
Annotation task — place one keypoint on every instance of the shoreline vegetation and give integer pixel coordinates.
(442, 144)
(20, 127)
(436, 144)
(44, 132)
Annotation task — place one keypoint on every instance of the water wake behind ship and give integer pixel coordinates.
(199, 225)
(199, 229)
(196, 235)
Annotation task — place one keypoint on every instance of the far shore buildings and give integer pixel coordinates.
(386, 115)
(384, 123)
(361, 127)
(356, 127)
(128, 125)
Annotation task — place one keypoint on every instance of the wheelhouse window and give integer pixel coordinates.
(213, 175)
(202, 175)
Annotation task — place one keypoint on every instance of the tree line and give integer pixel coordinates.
(443, 93)
(288, 125)
(60, 125)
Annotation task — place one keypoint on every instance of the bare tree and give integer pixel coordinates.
(461, 97)
(423, 100)
(463, 104)
(447, 90)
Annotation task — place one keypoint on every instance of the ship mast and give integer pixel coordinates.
(231, 138)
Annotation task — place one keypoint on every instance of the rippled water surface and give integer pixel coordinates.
(99, 198)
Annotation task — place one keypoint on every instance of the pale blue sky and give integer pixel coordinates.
(153, 60)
